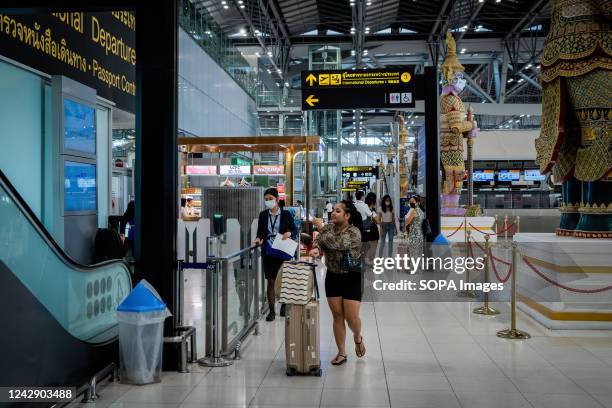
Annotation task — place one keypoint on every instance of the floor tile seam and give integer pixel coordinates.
(381, 353)
(569, 378)
(437, 360)
(494, 362)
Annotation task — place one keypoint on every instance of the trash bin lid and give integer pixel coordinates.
(441, 239)
(141, 299)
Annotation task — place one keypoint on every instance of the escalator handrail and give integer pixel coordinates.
(44, 233)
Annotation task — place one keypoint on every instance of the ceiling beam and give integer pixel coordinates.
(470, 21)
(281, 21)
(527, 19)
(478, 89)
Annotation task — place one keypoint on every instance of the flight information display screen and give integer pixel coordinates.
(79, 187)
(79, 127)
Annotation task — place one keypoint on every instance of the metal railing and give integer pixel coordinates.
(235, 300)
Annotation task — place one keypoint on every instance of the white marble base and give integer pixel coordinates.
(577, 263)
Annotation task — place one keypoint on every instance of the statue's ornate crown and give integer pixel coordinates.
(451, 64)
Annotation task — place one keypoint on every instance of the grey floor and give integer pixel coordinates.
(419, 355)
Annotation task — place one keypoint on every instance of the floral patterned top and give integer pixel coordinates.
(335, 243)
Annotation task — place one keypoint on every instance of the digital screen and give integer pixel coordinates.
(509, 175)
(79, 186)
(534, 175)
(483, 175)
(79, 127)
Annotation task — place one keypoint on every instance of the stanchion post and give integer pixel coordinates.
(467, 293)
(512, 332)
(215, 360)
(505, 227)
(518, 224)
(496, 224)
(486, 309)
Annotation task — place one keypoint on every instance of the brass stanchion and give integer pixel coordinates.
(518, 224)
(512, 332)
(486, 309)
(505, 227)
(467, 293)
(496, 224)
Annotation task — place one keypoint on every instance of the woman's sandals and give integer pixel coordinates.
(360, 349)
(339, 360)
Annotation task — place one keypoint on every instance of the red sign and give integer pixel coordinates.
(201, 170)
(281, 191)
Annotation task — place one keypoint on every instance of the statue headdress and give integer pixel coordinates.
(451, 64)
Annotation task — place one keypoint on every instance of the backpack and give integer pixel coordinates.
(107, 245)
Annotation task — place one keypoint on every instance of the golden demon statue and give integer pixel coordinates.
(454, 126)
(575, 143)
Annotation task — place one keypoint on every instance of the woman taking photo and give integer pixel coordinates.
(341, 243)
(388, 225)
(414, 227)
(272, 221)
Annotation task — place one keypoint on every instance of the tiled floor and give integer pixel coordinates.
(419, 355)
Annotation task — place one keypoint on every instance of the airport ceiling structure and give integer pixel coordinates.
(499, 41)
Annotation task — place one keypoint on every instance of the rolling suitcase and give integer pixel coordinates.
(302, 349)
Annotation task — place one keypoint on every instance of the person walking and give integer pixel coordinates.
(340, 241)
(272, 221)
(388, 225)
(366, 221)
(414, 228)
(373, 234)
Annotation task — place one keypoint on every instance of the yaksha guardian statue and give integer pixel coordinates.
(454, 126)
(575, 143)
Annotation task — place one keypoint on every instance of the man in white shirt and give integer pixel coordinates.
(361, 206)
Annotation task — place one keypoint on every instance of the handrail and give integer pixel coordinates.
(46, 235)
(233, 255)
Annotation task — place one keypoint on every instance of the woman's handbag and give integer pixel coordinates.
(350, 263)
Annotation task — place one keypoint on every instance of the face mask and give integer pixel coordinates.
(387, 203)
(460, 84)
(413, 205)
(270, 204)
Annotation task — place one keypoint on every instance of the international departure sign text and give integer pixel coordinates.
(358, 89)
(95, 49)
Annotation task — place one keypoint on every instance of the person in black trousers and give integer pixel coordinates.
(272, 221)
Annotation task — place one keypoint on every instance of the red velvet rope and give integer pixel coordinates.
(499, 278)
(506, 229)
(562, 286)
(479, 230)
(454, 232)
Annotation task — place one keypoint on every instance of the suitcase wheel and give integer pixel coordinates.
(316, 372)
(291, 372)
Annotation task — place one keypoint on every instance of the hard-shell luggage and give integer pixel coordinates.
(302, 344)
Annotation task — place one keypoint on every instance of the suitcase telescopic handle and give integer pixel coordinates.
(314, 278)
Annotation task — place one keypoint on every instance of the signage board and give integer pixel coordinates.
(280, 187)
(534, 175)
(357, 171)
(96, 49)
(358, 184)
(195, 170)
(269, 170)
(358, 89)
(234, 170)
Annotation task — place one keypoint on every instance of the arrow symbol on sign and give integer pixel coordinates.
(311, 79)
(311, 100)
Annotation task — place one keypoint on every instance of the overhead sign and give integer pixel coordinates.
(95, 49)
(358, 184)
(269, 170)
(234, 170)
(358, 89)
(194, 170)
(357, 171)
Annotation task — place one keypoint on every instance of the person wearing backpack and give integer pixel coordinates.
(414, 228)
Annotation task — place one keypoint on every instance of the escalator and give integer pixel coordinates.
(57, 317)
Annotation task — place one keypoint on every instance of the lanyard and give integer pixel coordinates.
(272, 223)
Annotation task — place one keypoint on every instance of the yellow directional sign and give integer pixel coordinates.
(311, 79)
(406, 77)
(323, 79)
(311, 100)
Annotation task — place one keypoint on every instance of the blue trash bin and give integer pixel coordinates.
(141, 329)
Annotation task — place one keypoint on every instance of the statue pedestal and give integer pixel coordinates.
(577, 263)
(454, 228)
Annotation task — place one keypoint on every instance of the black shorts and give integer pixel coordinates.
(345, 285)
(271, 266)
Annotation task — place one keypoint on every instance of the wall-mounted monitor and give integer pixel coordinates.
(509, 175)
(79, 128)
(534, 175)
(79, 187)
(483, 175)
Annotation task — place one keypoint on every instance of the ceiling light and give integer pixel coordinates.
(269, 53)
(529, 66)
(287, 84)
(522, 116)
(353, 52)
(279, 71)
(463, 50)
(528, 116)
(240, 1)
(224, 2)
(510, 80)
(479, 27)
(498, 1)
(226, 7)
(520, 80)
(412, 122)
(538, 67)
(369, 3)
(269, 72)
(481, 1)
(257, 55)
(242, 6)
(365, 52)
